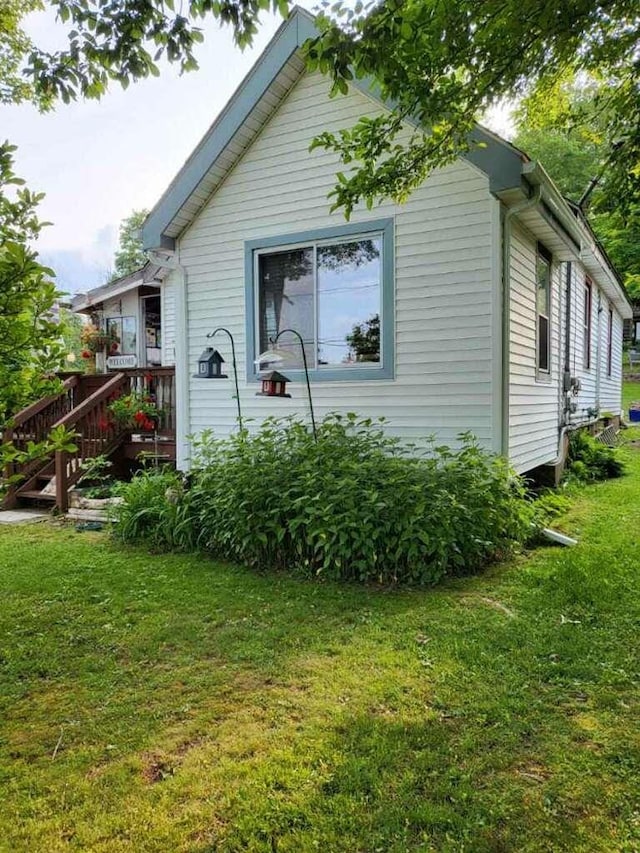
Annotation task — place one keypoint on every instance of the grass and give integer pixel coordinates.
(630, 394)
(169, 703)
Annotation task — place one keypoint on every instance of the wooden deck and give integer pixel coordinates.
(82, 406)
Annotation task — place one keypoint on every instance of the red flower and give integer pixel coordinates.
(114, 346)
(140, 417)
(86, 353)
(148, 424)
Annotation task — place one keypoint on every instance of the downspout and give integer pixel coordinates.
(506, 310)
(567, 334)
(181, 355)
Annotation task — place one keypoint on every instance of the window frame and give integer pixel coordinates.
(118, 321)
(543, 373)
(383, 228)
(587, 324)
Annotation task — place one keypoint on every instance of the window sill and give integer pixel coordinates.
(543, 378)
(350, 374)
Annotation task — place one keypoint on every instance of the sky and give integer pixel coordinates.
(96, 161)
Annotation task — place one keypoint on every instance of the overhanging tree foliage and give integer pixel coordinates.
(440, 63)
(444, 64)
(30, 347)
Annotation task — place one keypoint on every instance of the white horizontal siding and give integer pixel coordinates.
(597, 391)
(611, 385)
(443, 279)
(168, 315)
(533, 400)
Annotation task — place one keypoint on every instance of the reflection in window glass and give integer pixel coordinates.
(128, 341)
(125, 330)
(286, 301)
(328, 292)
(543, 299)
(349, 277)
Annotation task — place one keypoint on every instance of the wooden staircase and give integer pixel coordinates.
(82, 406)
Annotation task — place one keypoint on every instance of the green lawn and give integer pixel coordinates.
(630, 394)
(154, 703)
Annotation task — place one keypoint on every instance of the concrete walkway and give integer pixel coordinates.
(22, 516)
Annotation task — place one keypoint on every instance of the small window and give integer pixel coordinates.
(335, 289)
(609, 342)
(125, 330)
(586, 328)
(543, 310)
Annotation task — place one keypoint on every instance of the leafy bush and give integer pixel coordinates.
(549, 505)
(148, 512)
(353, 506)
(589, 460)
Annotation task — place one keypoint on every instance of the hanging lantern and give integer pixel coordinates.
(274, 384)
(210, 365)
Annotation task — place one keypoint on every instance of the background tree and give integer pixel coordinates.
(30, 347)
(563, 127)
(440, 64)
(70, 329)
(130, 255)
(15, 47)
(444, 64)
(364, 340)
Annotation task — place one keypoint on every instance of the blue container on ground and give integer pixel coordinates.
(634, 415)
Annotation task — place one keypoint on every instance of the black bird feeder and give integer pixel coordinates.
(210, 365)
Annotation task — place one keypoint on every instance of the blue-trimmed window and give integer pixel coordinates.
(334, 286)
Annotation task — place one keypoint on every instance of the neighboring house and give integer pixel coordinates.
(499, 312)
(632, 327)
(132, 306)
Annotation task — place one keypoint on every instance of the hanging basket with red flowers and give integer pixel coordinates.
(95, 340)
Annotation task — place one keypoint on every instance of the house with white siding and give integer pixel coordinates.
(484, 303)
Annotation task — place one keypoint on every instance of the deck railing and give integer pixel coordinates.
(33, 424)
(96, 434)
(83, 406)
(160, 383)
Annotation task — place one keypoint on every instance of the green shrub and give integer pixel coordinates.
(148, 510)
(353, 506)
(549, 505)
(590, 460)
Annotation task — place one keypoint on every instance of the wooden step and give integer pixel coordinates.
(35, 495)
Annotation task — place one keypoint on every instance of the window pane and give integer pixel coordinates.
(286, 302)
(542, 290)
(349, 303)
(128, 344)
(543, 343)
(586, 342)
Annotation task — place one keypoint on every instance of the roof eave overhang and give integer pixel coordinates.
(291, 35)
(577, 233)
(499, 160)
(149, 275)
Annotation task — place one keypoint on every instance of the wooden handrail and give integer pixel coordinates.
(81, 410)
(94, 437)
(35, 408)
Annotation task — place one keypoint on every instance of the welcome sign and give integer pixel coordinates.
(116, 362)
